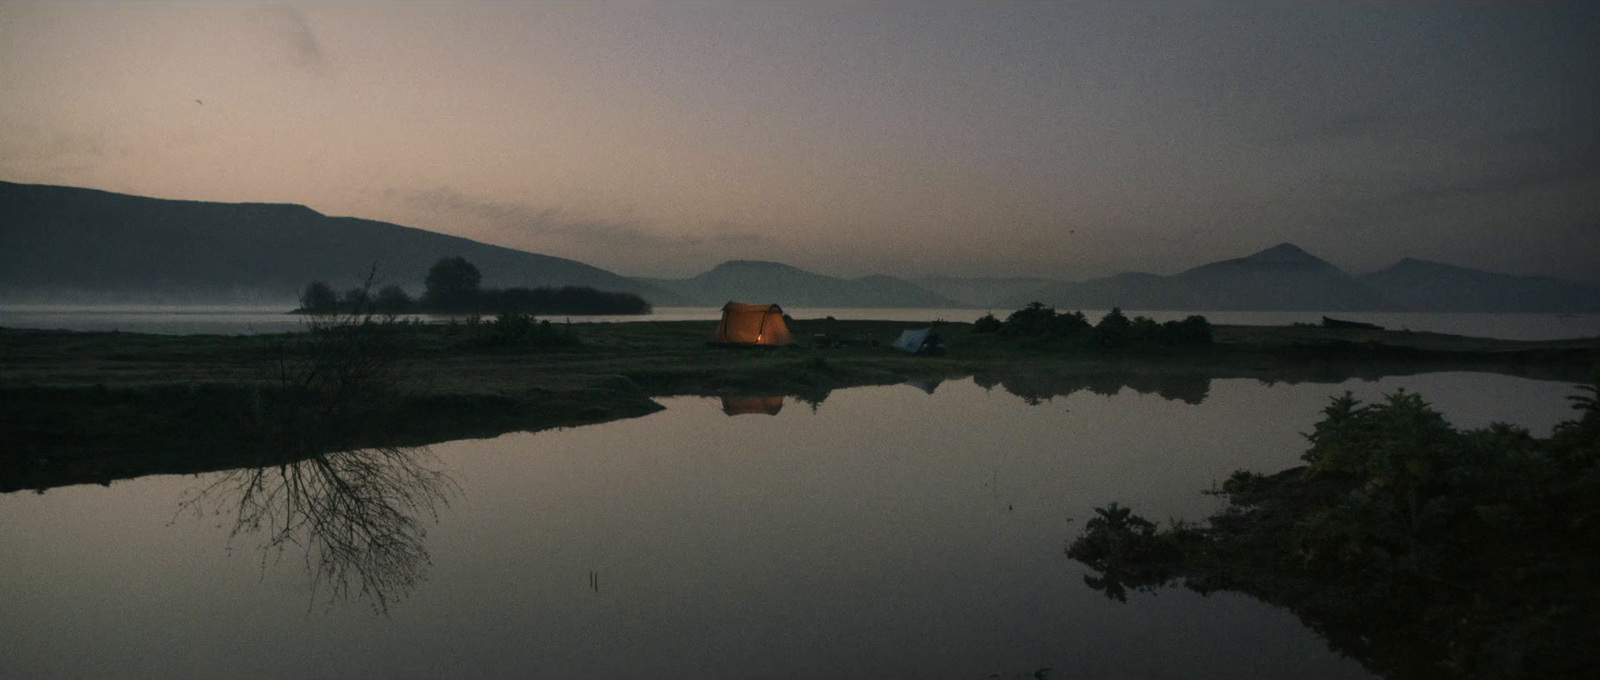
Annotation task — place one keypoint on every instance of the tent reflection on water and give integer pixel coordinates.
(739, 406)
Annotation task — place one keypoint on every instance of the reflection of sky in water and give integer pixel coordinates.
(886, 532)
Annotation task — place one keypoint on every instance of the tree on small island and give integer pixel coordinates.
(319, 296)
(453, 287)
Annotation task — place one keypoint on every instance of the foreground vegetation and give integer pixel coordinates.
(1417, 549)
(92, 407)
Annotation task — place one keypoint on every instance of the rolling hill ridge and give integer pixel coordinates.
(65, 244)
(74, 245)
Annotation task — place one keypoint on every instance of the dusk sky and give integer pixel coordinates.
(1064, 140)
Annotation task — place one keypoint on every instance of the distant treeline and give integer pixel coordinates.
(1114, 330)
(453, 288)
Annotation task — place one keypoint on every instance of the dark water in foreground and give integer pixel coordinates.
(885, 532)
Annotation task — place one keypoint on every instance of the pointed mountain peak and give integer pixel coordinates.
(1284, 252)
(754, 268)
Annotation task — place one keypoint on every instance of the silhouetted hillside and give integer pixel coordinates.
(1424, 285)
(65, 244)
(1283, 277)
(756, 281)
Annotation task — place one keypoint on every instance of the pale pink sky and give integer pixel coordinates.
(1063, 140)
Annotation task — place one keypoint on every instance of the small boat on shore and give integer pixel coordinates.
(1341, 324)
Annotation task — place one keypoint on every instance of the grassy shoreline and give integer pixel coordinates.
(85, 407)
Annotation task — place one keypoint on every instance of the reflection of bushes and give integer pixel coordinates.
(1039, 387)
(1419, 549)
(1126, 550)
(1115, 330)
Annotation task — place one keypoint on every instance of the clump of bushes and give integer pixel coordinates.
(985, 324)
(344, 365)
(1410, 545)
(453, 288)
(518, 330)
(1115, 329)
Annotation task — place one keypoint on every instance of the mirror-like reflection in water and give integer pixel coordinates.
(884, 532)
(360, 516)
(1038, 388)
(752, 405)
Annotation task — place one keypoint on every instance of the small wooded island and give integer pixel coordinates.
(454, 287)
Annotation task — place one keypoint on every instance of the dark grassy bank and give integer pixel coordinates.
(93, 407)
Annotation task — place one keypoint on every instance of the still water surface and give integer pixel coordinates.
(885, 531)
(185, 320)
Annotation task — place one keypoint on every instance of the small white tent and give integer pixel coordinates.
(916, 341)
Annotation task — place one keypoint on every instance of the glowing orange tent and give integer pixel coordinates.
(752, 325)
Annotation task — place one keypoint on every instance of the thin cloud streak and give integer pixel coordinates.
(525, 220)
(293, 29)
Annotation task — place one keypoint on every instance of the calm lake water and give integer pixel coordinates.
(181, 320)
(885, 531)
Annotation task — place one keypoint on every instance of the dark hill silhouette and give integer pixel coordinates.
(1420, 284)
(757, 281)
(1283, 277)
(70, 244)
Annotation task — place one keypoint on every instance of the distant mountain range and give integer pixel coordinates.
(64, 244)
(1420, 284)
(1284, 277)
(759, 282)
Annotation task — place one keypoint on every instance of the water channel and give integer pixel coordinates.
(906, 530)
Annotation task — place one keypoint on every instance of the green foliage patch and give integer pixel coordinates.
(1421, 550)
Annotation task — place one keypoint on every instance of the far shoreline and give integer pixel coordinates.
(251, 318)
(96, 406)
